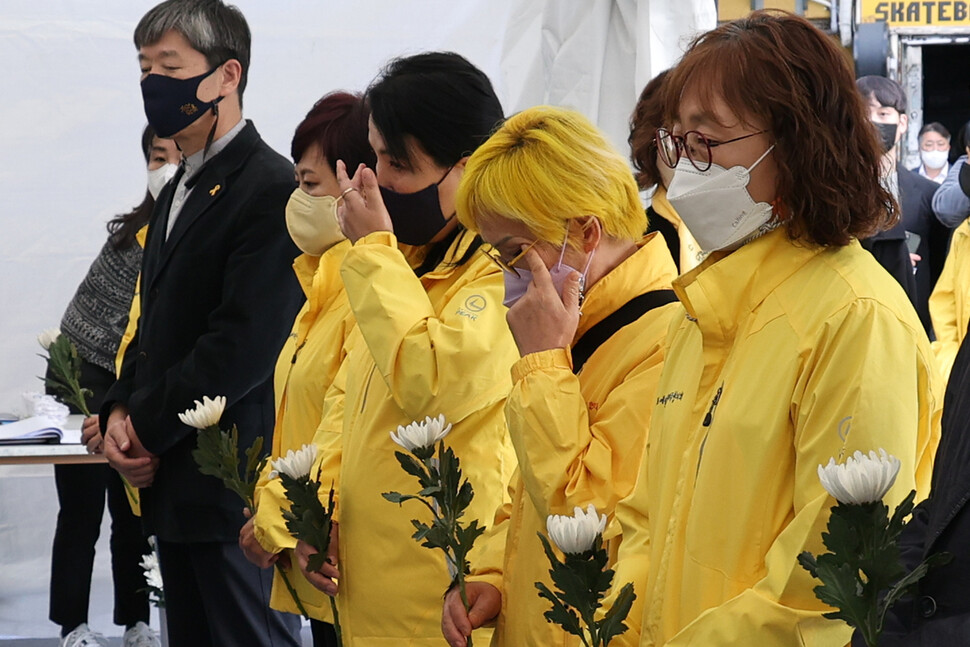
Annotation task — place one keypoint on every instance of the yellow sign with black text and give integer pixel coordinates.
(917, 13)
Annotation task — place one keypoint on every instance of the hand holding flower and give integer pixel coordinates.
(91, 434)
(251, 547)
(457, 624)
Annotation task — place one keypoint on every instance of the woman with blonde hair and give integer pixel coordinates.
(589, 303)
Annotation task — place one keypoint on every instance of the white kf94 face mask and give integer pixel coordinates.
(715, 204)
(159, 177)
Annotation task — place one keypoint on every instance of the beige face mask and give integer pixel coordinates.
(312, 222)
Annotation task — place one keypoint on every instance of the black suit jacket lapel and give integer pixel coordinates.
(156, 231)
(208, 187)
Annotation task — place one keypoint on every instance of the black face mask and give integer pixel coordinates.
(172, 105)
(417, 216)
(887, 133)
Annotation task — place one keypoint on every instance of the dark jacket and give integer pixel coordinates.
(916, 200)
(889, 248)
(940, 613)
(217, 301)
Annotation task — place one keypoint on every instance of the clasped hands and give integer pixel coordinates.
(124, 450)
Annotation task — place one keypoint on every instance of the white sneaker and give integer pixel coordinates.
(84, 636)
(140, 635)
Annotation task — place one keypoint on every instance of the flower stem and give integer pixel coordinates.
(289, 587)
(464, 600)
(336, 621)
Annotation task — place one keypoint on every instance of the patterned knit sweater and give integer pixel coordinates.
(96, 318)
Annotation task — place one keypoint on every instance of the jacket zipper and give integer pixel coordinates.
(708, 420)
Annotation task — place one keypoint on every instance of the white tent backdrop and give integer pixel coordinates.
(71, 118)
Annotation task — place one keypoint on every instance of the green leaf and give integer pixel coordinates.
(907, 584)
(572, 579)
(612, 624)
(840, 589)
(559, 614)
(413, 467)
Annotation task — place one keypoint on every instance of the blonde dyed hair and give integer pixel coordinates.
(544, 167)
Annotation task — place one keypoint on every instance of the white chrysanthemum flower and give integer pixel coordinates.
(861, 479)
(296, 464)
(421, 434)
(576, 534)
(206, 413)
(153, 572)
(48, 337)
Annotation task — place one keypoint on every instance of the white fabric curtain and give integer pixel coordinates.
(596, 55)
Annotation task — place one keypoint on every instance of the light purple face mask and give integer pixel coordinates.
(516, 286)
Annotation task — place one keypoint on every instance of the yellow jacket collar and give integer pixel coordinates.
(727, 286)
(456, 250)
(319, 276)
(662, 205)
(649, 268)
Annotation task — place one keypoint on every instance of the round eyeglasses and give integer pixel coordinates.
(692, 144)
(509, 267)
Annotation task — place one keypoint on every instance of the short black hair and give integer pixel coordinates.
(935, 127)
(886, 92)
(217, 30)
(440, 99)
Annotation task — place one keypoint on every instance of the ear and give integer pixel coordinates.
(460, 164)
(903, 123)
(592, 232)
(231, 75)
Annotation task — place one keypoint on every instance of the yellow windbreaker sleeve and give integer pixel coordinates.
(417, 349)
(836, 377)
(489, 563)
(329, 439)
(565, 460)
(947, 302)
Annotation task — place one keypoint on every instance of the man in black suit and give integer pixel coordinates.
(217, 299)
(918, 267)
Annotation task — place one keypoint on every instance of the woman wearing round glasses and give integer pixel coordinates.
(792, 346)
(589, 304)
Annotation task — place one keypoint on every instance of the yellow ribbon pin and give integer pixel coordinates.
(214, 190)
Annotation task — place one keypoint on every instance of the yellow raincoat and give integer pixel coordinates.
(950, 301)
(306, 367)
(784, 356)
(424, 346)
(579, 439)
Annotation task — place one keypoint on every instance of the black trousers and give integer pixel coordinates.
(324, 635)
(215, 597)
(81, 495)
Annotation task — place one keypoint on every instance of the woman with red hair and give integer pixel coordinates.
(792, 346)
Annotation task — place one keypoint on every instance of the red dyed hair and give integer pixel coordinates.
(777, 68)
(647, 117)
(338, 123)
